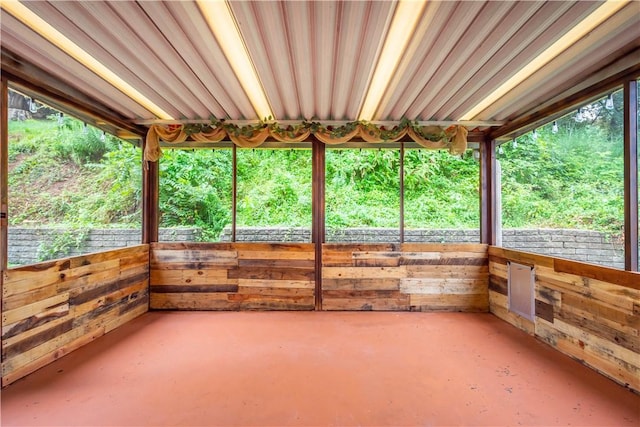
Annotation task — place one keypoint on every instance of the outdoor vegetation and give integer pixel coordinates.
(66, 174)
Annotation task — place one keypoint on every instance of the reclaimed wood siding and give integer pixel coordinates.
(405, 277)
(232, 276)
(588, 312)
(52, 308)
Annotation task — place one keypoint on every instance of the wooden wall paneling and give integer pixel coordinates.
(52, 308)
(233, 276)
(586, 311)
(405, 277)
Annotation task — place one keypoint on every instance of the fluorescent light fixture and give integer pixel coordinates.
(223, 25)
(585, 26)
(405, 19)
(40, 26)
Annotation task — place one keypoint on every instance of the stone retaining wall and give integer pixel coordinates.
(29, 245)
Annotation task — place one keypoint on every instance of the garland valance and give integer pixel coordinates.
(453, 138)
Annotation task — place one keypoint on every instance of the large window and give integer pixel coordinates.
(563, 188)
(441, 197)
(196, 195)
(72, 189)
(362, 195)
(274, 195)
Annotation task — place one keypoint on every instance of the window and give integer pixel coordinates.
(563, 188)
(72, 189)
(362, 195)
(441, 197)
(196, 195)
(274, 195)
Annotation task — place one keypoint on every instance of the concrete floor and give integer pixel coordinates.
(259, 369)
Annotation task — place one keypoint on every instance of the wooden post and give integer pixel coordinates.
(402, 192)
(150, 199)
(488, 192)
(4, 173)
(631, 175)
(318, 213)
(234, 191)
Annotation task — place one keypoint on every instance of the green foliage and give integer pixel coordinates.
(571, 179)
(62, 244)
(79, 179)
(195, 190)
(64, 174)
(274, 188)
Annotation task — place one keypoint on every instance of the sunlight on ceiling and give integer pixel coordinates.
(225, 29)
(587, 25)
(41, 27)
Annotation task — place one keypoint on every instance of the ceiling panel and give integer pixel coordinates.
(316, 59)
(51, 59)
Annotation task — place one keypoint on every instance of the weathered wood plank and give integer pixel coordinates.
(276, 292)
(191, 301)
(520, 257)
(468, 271)
(33, 309)
(365, 304)
(498, 304)
(191, 277)
(276, 263)
(570, 341)
(443, 286)
(276, 284)
(498, 284)
(272, 273)
(363, 294)
(544, 310)
(363, 272)
(34, 321)
(194, 288)
(35, 340)
(361, 284)
(450, 302)
(444, 247)
(628, 279)
(13, 372)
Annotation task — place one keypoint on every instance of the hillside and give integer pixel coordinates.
(64, 173)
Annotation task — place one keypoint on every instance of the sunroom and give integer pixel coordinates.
(474, 164)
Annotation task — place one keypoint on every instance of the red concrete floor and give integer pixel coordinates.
(268, 369)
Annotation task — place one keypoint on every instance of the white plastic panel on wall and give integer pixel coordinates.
(521, 290)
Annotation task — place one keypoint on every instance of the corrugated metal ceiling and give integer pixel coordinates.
(315, 59)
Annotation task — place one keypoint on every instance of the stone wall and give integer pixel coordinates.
(579, 245)
(29, 245)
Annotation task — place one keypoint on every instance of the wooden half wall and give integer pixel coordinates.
(405, 277)
(233, 276)
(52, 308)
(588, 312)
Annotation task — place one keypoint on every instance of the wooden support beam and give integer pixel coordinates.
(524, 124)
(631, 175)
(150, 200)
(234, 192)
(488, 192)
(4, 173)
(318, 214)
(40, 84)
(402, 193)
